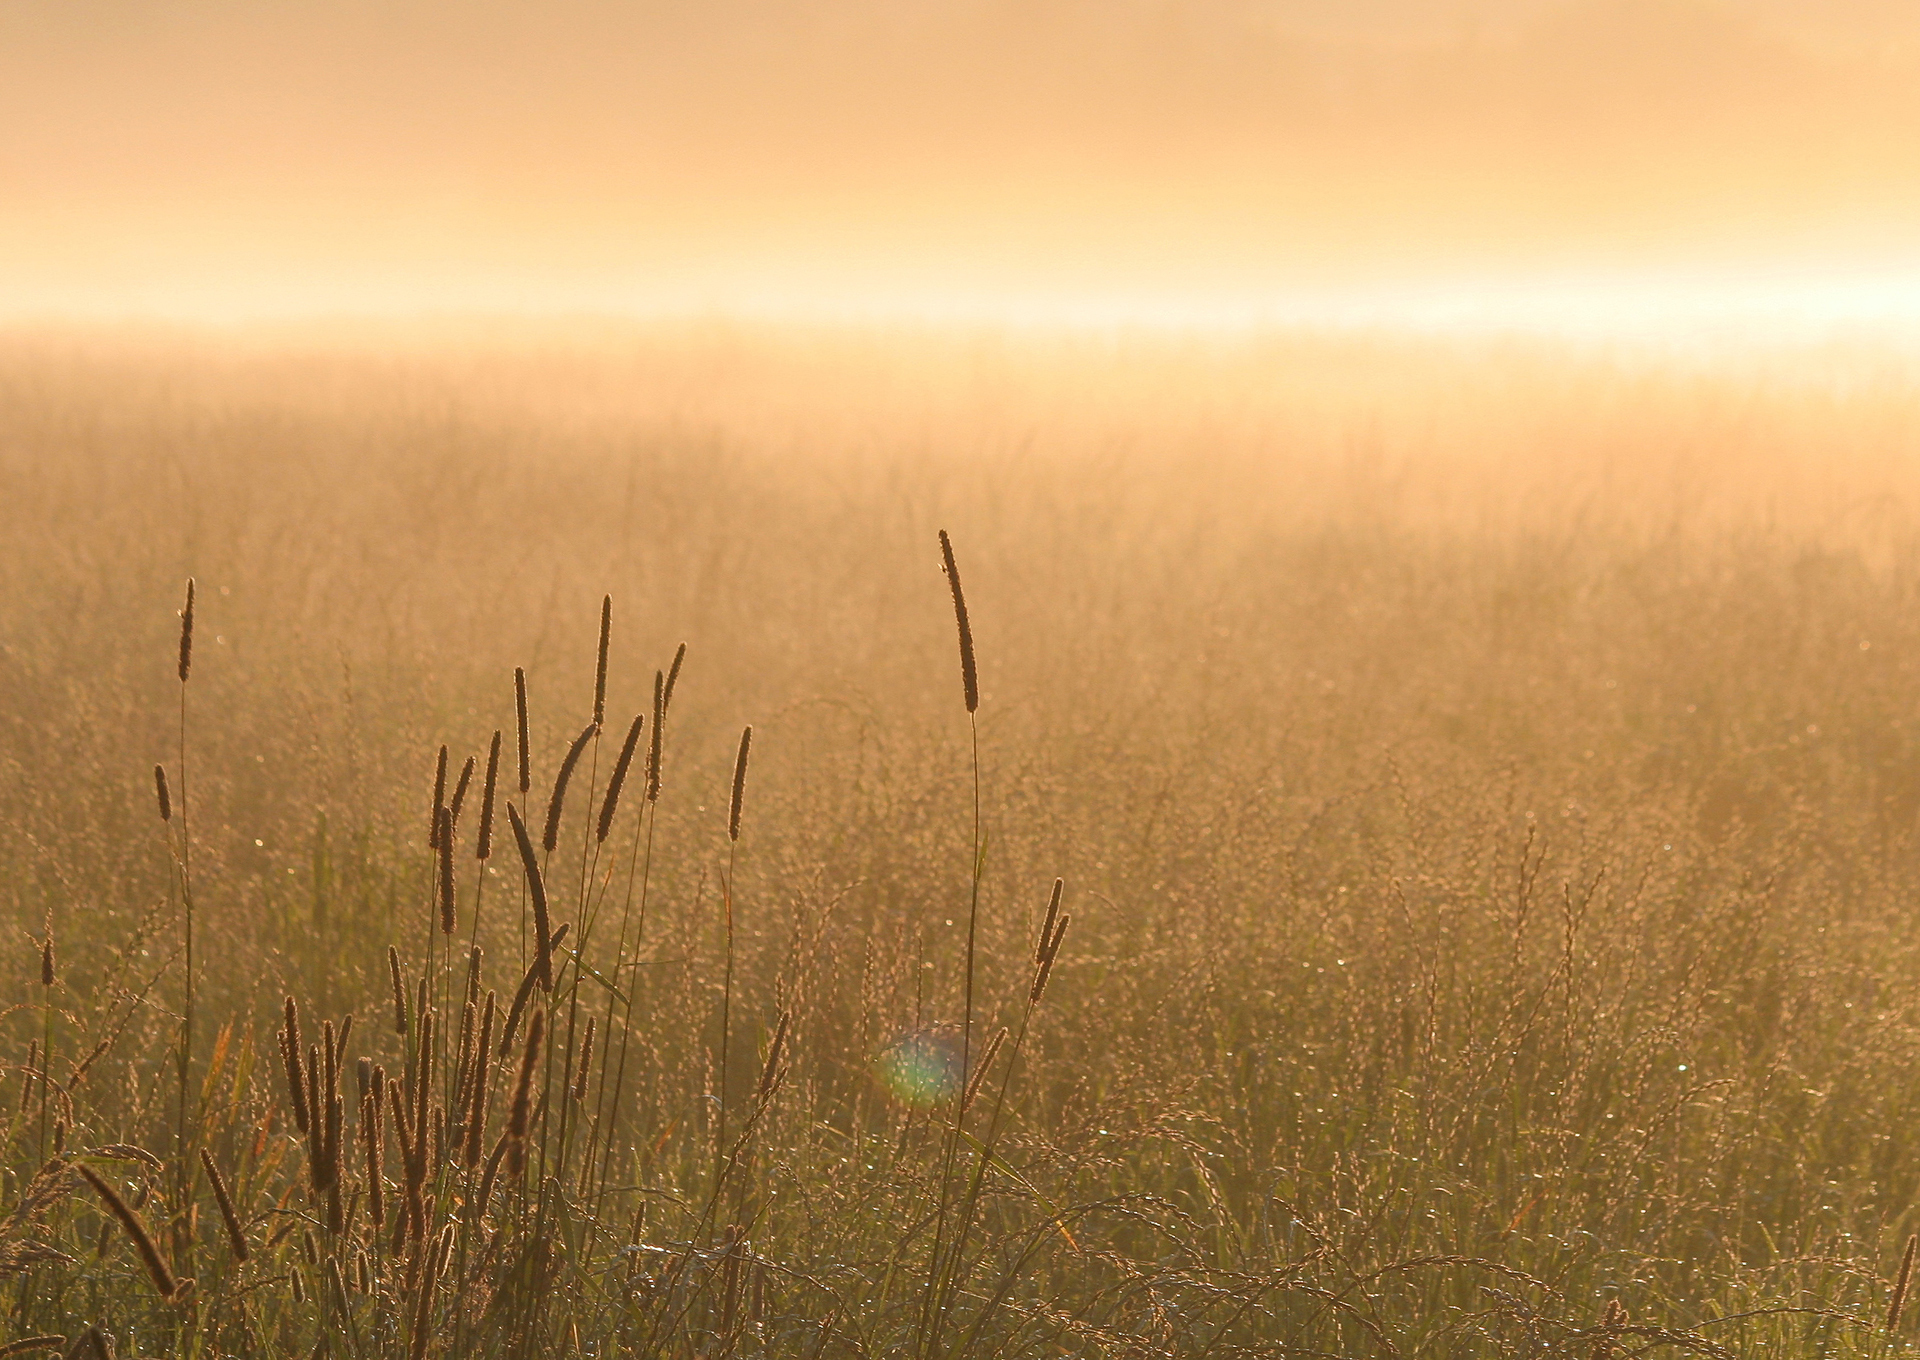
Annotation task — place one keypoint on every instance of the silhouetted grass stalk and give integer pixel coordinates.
(183, 1150)
(726, 988)
(643, 850)
(938, 1261)
(1053, 931)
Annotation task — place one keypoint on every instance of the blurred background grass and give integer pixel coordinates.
(1485, 775)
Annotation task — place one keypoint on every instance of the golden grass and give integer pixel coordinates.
(1483, 785)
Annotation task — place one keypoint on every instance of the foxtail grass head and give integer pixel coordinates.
(969, 676)
(186, 634)
(739, 783)
(522, 728)
(611, 803)
(483, 842)
(600, 663)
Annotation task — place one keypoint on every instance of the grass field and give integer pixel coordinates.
(1485, 779)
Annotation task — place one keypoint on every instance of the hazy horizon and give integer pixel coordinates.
(1529, 162)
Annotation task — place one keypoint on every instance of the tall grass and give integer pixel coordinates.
(1488, 887)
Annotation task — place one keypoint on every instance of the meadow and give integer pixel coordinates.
(1483, 777)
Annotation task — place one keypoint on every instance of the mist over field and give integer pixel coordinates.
(1228, 158)
(954, 680)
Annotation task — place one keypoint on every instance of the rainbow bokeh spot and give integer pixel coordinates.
(923, 1068)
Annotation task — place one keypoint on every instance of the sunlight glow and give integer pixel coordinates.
(1708, 307)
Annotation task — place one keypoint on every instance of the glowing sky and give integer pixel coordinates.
(1441, 162)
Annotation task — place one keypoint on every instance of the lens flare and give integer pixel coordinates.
(924, 1067)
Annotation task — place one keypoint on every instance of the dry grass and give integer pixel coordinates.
(1485, 785)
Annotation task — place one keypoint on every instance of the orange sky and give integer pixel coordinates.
(1208, 158)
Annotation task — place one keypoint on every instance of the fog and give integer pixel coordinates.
(1217, 159)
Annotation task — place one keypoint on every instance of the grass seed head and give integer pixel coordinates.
(521, 727)
(236, 1236)
(439, 799)
(444, 860)
(186, 634)
(459, 799)
(399, 991)
(537, 892)
(600, 661)
(969, 677)
(556, 804)
(483, 842)
(579, 1091)
(1901, 1281)
(164, 1283)
(611, 803)
(673, 676)
(654, 744)
(739, 784)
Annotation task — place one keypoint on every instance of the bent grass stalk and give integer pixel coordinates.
(640, 864)
(550, 837)
(537, 892)
(523, 737)
(483, 837)
(46, 1032)
(164, 1282)
(726, 990)
(939, 1266)
(459, 799)
(1053, 932)
(1900, 1284)
(183, 1135)
(587, 902)
(236, 1234)
(550, 841)
(602, 828)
